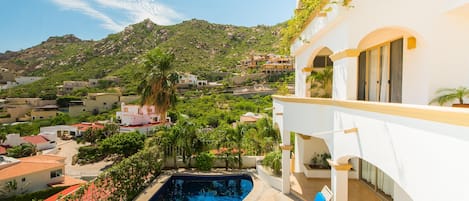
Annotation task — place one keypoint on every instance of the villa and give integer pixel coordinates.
(389, 58)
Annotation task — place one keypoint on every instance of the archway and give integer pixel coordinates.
(319, 78)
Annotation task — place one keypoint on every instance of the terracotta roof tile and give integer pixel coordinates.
(36, 139)
(3, 150)
(40, 158)
(25, 168)
(63, 193)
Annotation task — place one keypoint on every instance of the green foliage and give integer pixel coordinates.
(273, 160)
(320, 161)
(200, 47)
(63, 101)
(24, 129)
(321, 83)
(90, 154)
(125, 144)
(447, 95)
(22, 150)
(38, 195)
(283, 89)
(204, 161)
(126, 179)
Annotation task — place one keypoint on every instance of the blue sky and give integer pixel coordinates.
(25, 23)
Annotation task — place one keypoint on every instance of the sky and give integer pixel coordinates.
(25, 23)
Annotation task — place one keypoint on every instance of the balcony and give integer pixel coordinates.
(410, 143)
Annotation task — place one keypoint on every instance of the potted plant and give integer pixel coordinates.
(447, 95)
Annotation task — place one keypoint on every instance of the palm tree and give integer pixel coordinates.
(237, 136)
(158, 86)
(450, 94)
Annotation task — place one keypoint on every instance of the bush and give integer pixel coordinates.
(273, 160)
(90, 154)
(38, 195)
(204, 161)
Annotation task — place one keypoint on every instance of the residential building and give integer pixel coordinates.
(389, 58)
(42, 141)
(250, 117)
(60, 130)
(30, 174)
(277, 64)
(100, 102)
(75, 108)
(133, 115)
(84, 126)
(44, 112)
(69, 86)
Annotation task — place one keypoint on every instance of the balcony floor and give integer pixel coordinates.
(306, 188)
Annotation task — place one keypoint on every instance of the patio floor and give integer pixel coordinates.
(306, 188)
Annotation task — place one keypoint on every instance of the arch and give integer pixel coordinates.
(384, 34)
(321, 51)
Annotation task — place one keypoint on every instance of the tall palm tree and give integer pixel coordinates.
(158, 85)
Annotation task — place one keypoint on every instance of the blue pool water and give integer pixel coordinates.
(206, 188)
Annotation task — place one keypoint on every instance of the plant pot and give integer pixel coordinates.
(461, 105)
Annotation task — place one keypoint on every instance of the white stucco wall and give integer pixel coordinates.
(441, 30)
(420, 156)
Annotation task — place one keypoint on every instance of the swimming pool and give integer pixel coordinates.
(210, 188)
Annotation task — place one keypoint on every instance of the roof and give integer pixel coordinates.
(36, 139)
(68, 181)
(48, 107)
(29, 165)
(3, 150)
(63, 193)
(39, 158)
(85, 126)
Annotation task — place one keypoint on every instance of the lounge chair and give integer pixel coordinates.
(324, 195)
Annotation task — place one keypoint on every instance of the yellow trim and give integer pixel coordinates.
(411, 43)
(345, 54)
(307, 70)
(339, 167)
(454, 116)
(351, 130)
(286, 147)
(304, 137)
(279, 113)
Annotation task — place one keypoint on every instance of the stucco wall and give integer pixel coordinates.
(34, 182)
(441, 31)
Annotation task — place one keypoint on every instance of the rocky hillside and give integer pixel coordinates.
(200, 47)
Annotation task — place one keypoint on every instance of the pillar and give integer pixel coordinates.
(286, 148)
(339, 180)
(344, 82)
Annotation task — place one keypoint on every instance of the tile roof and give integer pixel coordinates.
(36, 139)
(63, 193)
(3, 150)
(68, 181)
(85, 126)
(29, 165)
(39, 158)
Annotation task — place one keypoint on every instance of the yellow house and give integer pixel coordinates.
(44, 112)
(99, 102)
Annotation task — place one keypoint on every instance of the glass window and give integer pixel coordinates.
(56, 173)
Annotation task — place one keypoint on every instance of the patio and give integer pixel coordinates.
(306, 188)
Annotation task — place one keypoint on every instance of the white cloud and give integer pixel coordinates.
(139, 10)
(85, 8)
(134, 10)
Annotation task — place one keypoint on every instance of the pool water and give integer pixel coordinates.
(206, 188)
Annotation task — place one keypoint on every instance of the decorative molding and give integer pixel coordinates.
(411, 43)
(345, 54)
(339, 167)
(286, 147)
(351, 130)
(279, 113)
(307, 69)
(453, 116)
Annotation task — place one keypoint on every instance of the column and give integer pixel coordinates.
(339, 180)
(345, 81)
(286, 147)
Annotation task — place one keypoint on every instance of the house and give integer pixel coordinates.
(16, 109)
(60, 130)
(44, 112)
(277, 64)
(250, 117)
(69, 86)
(389, 58)
(30, 174)
(21, 80)
(42, 141)
(133, 115)
(100, 102)
(84, 126)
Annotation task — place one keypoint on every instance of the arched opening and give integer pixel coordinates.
(380, 64)
(319, 80)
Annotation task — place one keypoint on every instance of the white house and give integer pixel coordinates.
(389, 58)
(42, 141)
(60, 130)
(131, 115)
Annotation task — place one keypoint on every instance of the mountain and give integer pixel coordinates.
(200, 47)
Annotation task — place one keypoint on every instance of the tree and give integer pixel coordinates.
(22, 150)
(237, 135)
(451, 94)
(125, 144)
(322, 80)
(158, 86)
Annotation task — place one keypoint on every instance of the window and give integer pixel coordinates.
(380, 73)
(322, 61)
(56, 173)
(377, 179)
(23, 179)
